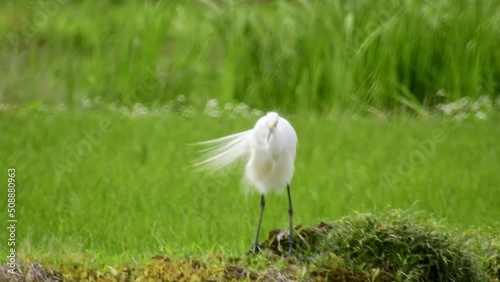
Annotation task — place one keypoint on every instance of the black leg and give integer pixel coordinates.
(290, 213)
(262, 205)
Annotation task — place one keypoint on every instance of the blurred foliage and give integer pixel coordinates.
(320, 56)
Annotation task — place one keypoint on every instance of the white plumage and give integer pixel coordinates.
(269, 150)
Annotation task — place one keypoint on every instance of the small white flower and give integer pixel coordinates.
(61, 107)
(480, 115)
(212, 108)
(139, 110)
(484, 100)
(188, 111)
(124, 110)
(167, 108)
(461, 116)
(86, 102)
(462, 103)
(475, 106)
(441, 93)
(242, 109)
(228, 107)
(447, 109)
(257, 113)
(181, 99)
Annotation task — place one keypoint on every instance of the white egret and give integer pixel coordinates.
(269, 150)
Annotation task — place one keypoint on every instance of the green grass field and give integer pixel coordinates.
(395, 103)
(110, 184)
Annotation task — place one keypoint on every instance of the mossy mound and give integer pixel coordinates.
(390, 248)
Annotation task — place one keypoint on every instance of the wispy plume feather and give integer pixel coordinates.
(224, 151)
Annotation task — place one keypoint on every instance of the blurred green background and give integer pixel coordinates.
(318, 56)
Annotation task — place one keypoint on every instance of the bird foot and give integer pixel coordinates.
(255, 249)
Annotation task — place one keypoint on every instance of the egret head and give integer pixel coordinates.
(272, 119)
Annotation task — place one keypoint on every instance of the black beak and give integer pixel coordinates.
(271, 131)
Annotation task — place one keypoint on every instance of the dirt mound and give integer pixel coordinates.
(390, 248)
